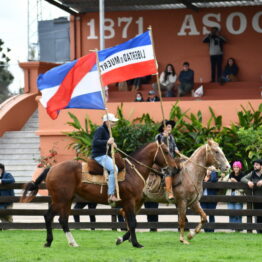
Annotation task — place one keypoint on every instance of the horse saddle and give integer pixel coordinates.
(94, 173)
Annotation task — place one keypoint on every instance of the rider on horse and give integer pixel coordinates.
(100, 149)
(166, 137)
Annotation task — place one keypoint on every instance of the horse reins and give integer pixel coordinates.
(142, 164)
(133, 167)
(188, 159)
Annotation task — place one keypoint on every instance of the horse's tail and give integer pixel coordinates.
(33, 187)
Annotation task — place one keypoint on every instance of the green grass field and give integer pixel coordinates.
(99, 246)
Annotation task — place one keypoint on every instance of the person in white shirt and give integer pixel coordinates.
(167, 80)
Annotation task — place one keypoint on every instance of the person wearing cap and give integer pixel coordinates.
(235, 176)
(6, 178)
(167, 138)
(254, 182)
(100, 150)
(152, 97)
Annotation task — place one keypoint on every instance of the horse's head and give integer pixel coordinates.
(215, 156)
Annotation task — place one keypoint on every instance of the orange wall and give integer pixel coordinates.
(51, 131)
(244, 39)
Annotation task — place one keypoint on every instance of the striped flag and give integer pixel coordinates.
(72, 85)
(132, 59)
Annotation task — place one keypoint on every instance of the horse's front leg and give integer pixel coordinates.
(181, 221)
(197, 208)
(127, 235)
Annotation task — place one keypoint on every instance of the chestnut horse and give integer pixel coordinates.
(188, 184)
(63, 182)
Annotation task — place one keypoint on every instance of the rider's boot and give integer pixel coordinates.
(169, 190)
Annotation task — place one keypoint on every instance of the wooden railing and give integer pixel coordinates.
(248, 212)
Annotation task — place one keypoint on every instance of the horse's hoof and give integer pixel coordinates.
(119, 241)
(47, 245)
(73, 245)
(184, 242)
(138, 245)
(190, 235)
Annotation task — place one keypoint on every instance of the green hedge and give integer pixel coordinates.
(241, 141)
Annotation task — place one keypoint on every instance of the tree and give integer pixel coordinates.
(6, 77)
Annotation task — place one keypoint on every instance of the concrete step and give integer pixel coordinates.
(21, 167)
(23, 162)
(19, 140)
(21, 156)
(14, 134)
(19, 151)
(19, 146)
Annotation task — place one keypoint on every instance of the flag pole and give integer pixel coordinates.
(157, 75)
(109, 125)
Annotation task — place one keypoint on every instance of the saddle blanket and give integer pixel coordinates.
(99, 179)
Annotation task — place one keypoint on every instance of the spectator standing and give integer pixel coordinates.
(216, 42)
(254, 182)
(168, 80)
(6, 178)
(186, 79)
(230, 71)
(211, 176)
(235, 177)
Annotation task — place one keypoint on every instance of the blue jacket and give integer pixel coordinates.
(6, 178)
(213, 179)
(186, 77)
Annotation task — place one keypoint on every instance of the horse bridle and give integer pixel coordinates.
(208, 150)
(142, 164)
(161, 149)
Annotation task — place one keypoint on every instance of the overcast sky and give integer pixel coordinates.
(13, 31)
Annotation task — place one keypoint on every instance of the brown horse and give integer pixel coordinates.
(188, 184)
(63, 182)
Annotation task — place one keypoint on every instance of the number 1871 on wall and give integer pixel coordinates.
(110, 25)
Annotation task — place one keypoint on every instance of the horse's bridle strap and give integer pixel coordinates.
(133, 167)
(140, 163)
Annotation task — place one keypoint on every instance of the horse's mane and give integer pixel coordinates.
(199, 148)
(139, 150)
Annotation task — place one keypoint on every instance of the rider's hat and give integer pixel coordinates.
(167, 122)
(110, 117)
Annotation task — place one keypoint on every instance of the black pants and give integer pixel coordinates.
(152, 218)
(216, 67)
(258, 218)
(81, 205)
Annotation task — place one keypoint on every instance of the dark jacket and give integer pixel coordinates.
(253, 177)
(153, 99)
(213, 179)
(230, 70)
(6, 178)
(186, 77)
(99, 145)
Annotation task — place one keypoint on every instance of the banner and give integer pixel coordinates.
(132, 59)
(72, 85)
